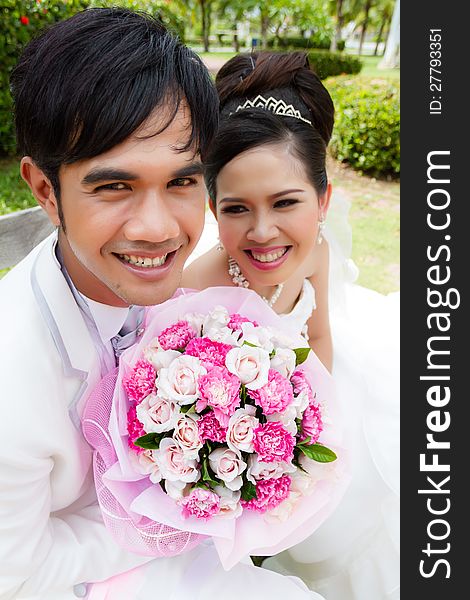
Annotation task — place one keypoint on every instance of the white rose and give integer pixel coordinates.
(174, 465)
(250, 365)
(284, 362)
(300, 403)
(179, 381)
(217, 318)
(186, 434)
(230, 506)
(240, 429)
(146, 463)
(261, 470)
(228, 465)
(287, 418)
(259, 336)
(282, 511)
(195, 321)
(280, 339)
(159, 358)
(223, 335)
(157, 414)
(176, 489)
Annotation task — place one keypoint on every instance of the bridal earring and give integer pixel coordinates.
(219, 246)
(321, 227)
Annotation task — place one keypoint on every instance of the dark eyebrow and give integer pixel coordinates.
(272, 197)
(195, 168)
(107, 174)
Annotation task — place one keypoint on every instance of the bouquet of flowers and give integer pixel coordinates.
(216, 425)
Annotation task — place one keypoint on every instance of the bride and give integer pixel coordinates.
(270, 195)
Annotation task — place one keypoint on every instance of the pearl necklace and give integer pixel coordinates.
(240, 281)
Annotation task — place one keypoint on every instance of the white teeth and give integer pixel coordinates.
(270, 257)
(146, 261)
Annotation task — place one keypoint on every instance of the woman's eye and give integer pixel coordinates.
(236, 209)
(118, 186)
(286, 202)
(182, 182)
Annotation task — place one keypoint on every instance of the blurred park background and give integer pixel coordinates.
(353, 45)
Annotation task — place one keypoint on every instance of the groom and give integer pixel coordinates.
(113, 118)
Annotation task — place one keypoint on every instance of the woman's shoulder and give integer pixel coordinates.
(207, 270)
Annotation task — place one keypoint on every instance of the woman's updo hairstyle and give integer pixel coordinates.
(283, 77)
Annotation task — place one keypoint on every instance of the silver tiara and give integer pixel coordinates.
(278, 107)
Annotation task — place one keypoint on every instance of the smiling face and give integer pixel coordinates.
(268, 212)
(132, 216)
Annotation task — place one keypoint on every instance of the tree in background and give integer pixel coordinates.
(391, 57)
(381, 16)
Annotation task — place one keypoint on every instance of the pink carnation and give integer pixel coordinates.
(201, 503)
(274, 396)
(177, 336)
(135, 429)
(210, 428)
(220, 390)
(269, 494)
(140, 382)
(301, 385)
(209, 352)
(273, 443)
(236, 320)
(312, 424)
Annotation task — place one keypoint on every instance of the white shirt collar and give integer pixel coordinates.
(108, 319)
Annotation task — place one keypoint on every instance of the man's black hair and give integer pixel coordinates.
(87, 83)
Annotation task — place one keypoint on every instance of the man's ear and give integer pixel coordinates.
(41, 188)
(324, 200)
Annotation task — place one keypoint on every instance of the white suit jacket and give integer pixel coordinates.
(51, 533)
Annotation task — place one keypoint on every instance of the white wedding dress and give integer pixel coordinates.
(354, 555)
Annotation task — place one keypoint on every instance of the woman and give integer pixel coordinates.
(270, 194)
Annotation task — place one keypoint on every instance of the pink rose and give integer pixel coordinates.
(236, 321)
(134, 429)
(250, 365)
(157, 414)
(273, 443)
(174, 465)
(240, 431)
(186, 434)
(262, 470)
(210, 428)
(220, 390)
(146, 463)
(284, 361)
(269, 494)
(179, 382)
(209, 352)
(275, 395)
(230, 506)
(200, 503)
(228, 466)
(140, 382)
(312, 424)
(176, 336)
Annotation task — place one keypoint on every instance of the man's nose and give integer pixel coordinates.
(152, 220)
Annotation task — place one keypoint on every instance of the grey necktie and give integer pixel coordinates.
(129, 332)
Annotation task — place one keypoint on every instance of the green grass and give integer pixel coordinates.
(370, 68)
(14, 193)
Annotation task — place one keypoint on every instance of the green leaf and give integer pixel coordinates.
(301, 355)
(188, 408)
(245, 343)
(318, 452)
(248, 491)
(206, 476)
(149, 441)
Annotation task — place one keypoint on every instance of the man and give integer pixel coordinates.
(113, 116)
